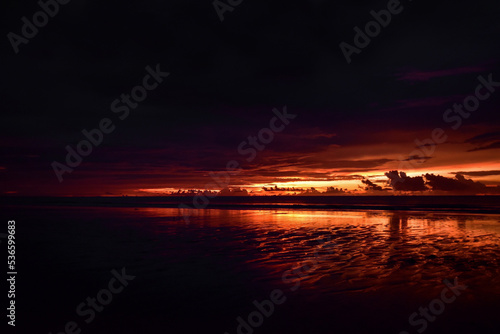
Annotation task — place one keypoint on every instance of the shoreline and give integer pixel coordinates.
(463, 204)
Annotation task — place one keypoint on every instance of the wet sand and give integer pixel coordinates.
(340, 271)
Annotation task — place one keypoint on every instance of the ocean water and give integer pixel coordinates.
(329, 271)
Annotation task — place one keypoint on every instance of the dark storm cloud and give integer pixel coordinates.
(226, 78)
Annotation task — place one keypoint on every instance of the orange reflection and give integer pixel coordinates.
(369, 250)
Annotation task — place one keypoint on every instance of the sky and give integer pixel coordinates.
(350, 125)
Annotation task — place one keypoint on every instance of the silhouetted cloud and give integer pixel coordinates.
(335, 191)
(371, 186)
(458, 184)
(233, 192)
(277, 189)
(310, 192)
(401, 182)
(438, 183)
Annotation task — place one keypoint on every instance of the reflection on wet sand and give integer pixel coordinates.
(374, 268)
(373, 250)
(380, 265)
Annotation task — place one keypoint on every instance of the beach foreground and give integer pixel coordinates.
(258, 271)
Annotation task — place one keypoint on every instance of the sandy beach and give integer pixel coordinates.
(337, 271)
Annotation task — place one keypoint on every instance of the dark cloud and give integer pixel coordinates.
(480, 173)
(484, 138)
(233, 192)
(371, 186)
(311, 191)
(225, 79)
(457, 185)
(485, 141)
(438, 184)
(283, 189)
(491, 146)
(417, 158)
(319, 162)
(335, 191)
(401, 182)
